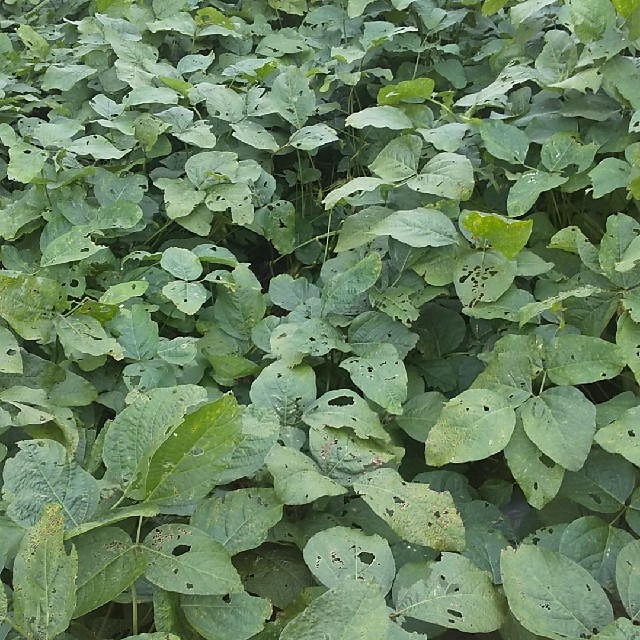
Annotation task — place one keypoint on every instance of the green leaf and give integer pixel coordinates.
(418, 228)
(626, 7)
(411, 91)
(291, 96)
(628, 578)
(136, 332)
(42, 473)
(619, 629)
(562, 150)
(345, 409)
(108, 563)
(71, 246)
(416, 513)
(241, 519)
(379, 372)
(182, 469)
(527, 189)
(558, 58)
(551, 595)
(483, 276)
(621, 436)
(287, 391)
(181, 263)
(604, 483)
(489, 7)
(119, 293)
(455, 594)
(211, 168)
(26, 162)
(622, 230)
(98, 147)
(10, 357)
(44, 577)
(385, 117)
(186, 560)
(351, 187)
(313, 137)
(255, 135)
(65, 77)
(28, 304)
(538, 476)
(447, 175)
(238, 616)
(80, 334)
(561, 422)
(349, 610)
(179, 196)
(574, 359)
(610, 174)
(316, 337)
(398, 160)
(472, 426)
(341, 290)
(340, 554)
(507, 236)
(595, 546)
(591, 18)
(187, 296)
(504, 141)
(136, 432)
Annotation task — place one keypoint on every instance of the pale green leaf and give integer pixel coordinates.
(398, 160)
(10, 357)
(71, 246)
(418, 228)
(528, 188)
(628, 578)
(622, 436)
(384, 117)
(448, 175)
(504, 141)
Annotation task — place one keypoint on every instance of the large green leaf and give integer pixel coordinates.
(108, 563)
(380, 374)
(628, 578)
(574, 359)
(561, 422)
(297, 479)
(340, 292)
(44, 576)
(448, 175)
(340, 554)
(552, 596)
(418, 228)
(415, 512)
(507, 236)
(455, 594)
(237, 616)
(28, 303)
(483, 276)
(474, 425)
(352, 609)
(186, 560)
(398, 160)
(241, 519)
(504, 141)
(137, 432)
(621, 436)
(182, 469)
(42, 473)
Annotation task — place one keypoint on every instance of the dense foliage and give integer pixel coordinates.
(320, 319)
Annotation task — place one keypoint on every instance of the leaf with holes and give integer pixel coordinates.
(415, 512)
(378, 371)
(455, 594)
(340, 553)
(44, 575)
(483, 276)
(622, 436)
(474, 425)
(186, 560)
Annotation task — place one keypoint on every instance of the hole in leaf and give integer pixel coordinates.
(366, 557)
(180, 550)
